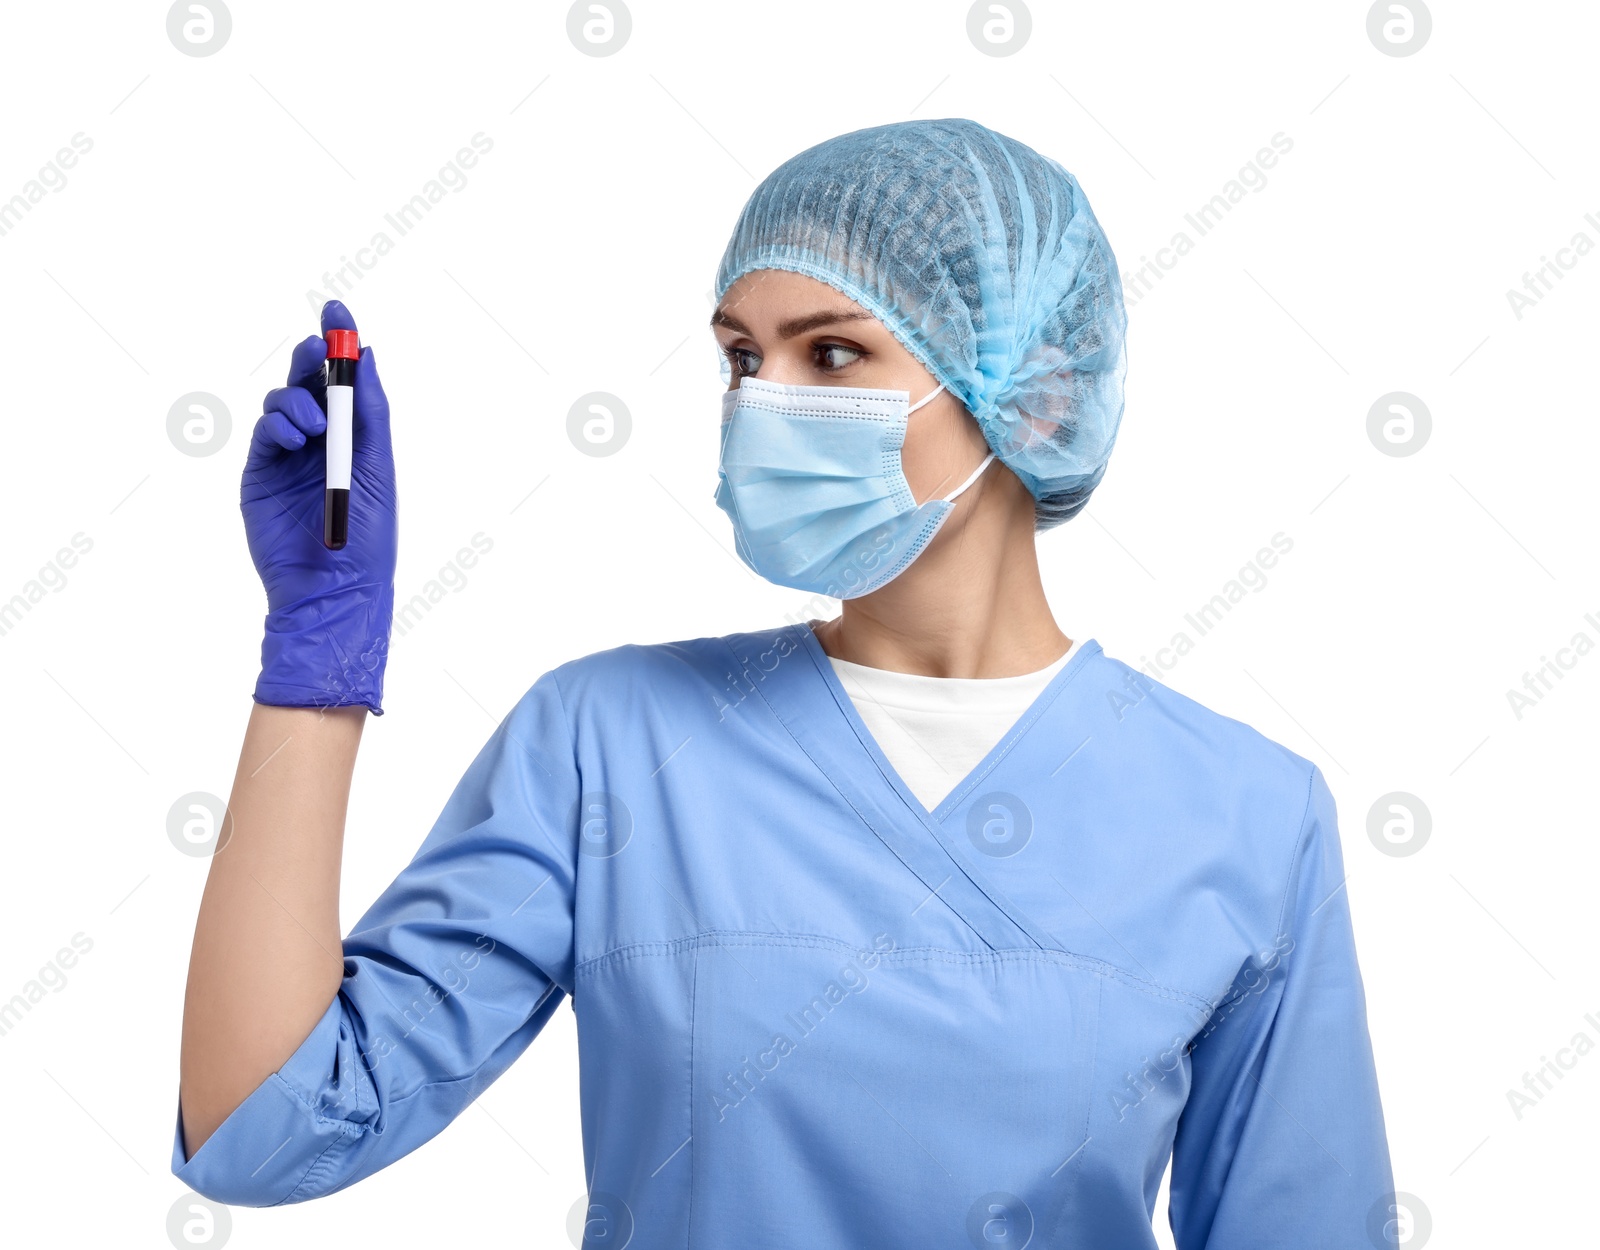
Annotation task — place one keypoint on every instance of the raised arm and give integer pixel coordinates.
(266, 961)
(444, 981)
(310, 1062)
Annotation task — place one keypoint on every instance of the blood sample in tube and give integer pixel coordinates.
(344, 349)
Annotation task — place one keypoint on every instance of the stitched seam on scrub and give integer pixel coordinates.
(904, 954)
(1094, 1056)
(1065, 1213)
(322, 1168)
(348, 1132)
(673, 946)
(316, 1113)
(694, 987)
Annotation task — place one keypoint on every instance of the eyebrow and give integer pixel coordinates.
(795, 325)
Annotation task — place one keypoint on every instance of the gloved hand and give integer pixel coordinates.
(328, 612)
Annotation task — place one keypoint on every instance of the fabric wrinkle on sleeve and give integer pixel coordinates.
(448, 976)
(1282, 1139)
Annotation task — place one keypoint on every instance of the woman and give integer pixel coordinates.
(921, 925)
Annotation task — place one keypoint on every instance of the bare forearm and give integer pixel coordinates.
(266, 960)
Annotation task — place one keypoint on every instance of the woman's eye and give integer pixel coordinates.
(831, 356)
(743, 361)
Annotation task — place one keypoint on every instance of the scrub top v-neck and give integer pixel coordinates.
(935, 730)
(813, 1013)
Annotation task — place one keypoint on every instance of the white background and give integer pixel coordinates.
(579, 257)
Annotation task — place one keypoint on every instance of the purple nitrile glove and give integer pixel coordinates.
(328, 612)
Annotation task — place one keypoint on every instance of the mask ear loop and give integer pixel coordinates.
(976, 474)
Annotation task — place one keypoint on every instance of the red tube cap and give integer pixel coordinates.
(343, 345)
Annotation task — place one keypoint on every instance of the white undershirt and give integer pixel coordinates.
(936, 730)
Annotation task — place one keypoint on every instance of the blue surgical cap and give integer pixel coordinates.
(985, 260)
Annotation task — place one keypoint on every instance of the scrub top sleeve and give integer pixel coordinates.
(1281, 1141)
(448, 977)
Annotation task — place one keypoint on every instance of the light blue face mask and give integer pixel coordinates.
(812, 480)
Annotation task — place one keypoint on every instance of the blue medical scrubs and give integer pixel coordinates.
(812, 1014)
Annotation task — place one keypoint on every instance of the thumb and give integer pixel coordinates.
(370, 413)
(371, 404)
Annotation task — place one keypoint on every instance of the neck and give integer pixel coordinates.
(971, 605)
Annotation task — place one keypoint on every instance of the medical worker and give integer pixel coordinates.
(923, 926)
